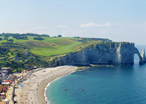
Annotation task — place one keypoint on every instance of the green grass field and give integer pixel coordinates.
(61, 49)
(50, 46)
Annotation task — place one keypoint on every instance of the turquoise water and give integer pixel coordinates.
(121, 84)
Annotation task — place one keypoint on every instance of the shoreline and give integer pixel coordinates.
(35, 86)
(48, 86)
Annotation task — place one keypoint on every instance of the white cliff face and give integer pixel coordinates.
(143, 55)
(78, 58)
(126, 53)
(140, 58)
(112, 53)
(118, 58)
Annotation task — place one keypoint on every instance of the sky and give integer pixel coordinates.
(118, 20)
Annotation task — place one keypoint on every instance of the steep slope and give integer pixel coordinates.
(111, 53)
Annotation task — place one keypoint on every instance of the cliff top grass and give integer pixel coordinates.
(47, 47)
(90, 44)
(84, 45)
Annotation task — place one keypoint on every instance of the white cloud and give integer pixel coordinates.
(91, 24)
(107, 24)
(62, 26)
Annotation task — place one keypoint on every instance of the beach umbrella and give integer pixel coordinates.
(15, 100)
(7, 81)
(2, 93)
(6, 101)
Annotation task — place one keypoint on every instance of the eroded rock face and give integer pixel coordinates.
(113, 53)
(143, 56)
(140, 58)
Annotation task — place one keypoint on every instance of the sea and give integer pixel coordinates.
(119, 84)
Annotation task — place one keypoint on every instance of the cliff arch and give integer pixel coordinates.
(140, 58)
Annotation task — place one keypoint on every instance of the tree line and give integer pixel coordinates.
(21, 36)
(24, 36)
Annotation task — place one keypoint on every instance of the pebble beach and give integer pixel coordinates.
(34, 86)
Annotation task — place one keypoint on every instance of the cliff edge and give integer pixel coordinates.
(105, 53)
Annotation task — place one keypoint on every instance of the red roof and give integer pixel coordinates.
(4, 89)
(7, 81)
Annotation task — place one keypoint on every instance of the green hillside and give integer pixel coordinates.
(42, 50)
(47, 47)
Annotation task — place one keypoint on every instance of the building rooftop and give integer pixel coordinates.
(4, 71)
(16, 58)
(5, 68)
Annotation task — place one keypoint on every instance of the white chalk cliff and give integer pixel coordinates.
(111, 53)
(143, 56)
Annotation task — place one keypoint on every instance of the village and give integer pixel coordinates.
(9, 81)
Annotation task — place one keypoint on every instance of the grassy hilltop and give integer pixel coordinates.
(47, 47)
(42, 49)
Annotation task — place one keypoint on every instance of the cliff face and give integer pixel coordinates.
(112, 53)
(143, 56)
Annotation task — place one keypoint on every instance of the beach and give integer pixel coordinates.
(34, 86)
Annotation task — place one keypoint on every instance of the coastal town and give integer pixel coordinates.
(21, 88)
(8, 82)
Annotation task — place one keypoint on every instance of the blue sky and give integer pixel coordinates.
(123, 20)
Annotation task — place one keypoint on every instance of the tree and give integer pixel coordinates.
(38, 38)
(45, 35)
(59, 35)
(11, 40)
(5, 38)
